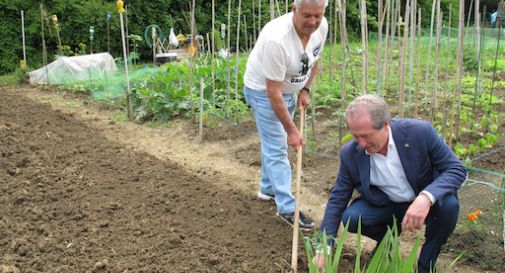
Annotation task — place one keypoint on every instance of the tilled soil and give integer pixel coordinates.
(73, 201)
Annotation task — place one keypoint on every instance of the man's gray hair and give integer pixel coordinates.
(370, 104)
(299, 2)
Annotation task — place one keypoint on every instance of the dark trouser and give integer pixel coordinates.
(375, 220)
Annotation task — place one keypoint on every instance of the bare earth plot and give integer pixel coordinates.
(84, 193)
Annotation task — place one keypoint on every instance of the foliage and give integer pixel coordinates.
(388, 256)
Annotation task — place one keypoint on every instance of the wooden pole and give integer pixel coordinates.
(479, 43)
(427, 70)
(364, 50)
(237, 48)
(435, 71)
(213, 55)
(23, 35)
(446, 100)
(44, 49)
(254, 21)
(418, 67)
(379, 48)
(259, 16)
(200, 120)
(125, 58)
(405, 24)
(411, 47)
(386, 50)
(296, 225)
(228, 46)
(459, 58)
(272, 9)
(343, 41)
(190, 84)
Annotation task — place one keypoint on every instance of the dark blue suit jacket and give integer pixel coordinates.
(427, 160)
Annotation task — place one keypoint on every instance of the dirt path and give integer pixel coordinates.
(86, 192)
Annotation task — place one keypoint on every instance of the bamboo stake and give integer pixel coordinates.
(479, 44)
(296, 226)
(386, 51)
(259, 16)
(461, 36)
(411, 47)
(125, 58)
(343, 41)
(364, 50)
(331, 38)
(254, 21)
(435, 72)
(418, 67)
(228, 46)
(190, 84)
(44, 49)
(402, 58)
(272, 10)
(245, 34)
(237, 48)
(126, 30)
(393, 34)
(446, 101)
(379, 47)
(200, 120)
(470, 13)
(213, 62)
(23, 35)
(427, 70)
(499, 19)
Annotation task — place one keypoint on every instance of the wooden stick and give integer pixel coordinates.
(435, 69)
(364, 50)
(405, 24)
(237, 48)
(427, 69)
(200, 120)
(459, 52)
(296, 226)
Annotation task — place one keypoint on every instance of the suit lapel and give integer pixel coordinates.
(363, 163)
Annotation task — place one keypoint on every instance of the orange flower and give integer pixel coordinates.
(472, 217)
(477, 211)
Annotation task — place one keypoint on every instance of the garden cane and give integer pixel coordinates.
(294, 253)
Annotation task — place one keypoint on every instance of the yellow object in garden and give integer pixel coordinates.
(180, 38)
(54, 18)
(120, 6)
(22, 64)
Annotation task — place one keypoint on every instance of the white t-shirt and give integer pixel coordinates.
(278, 52)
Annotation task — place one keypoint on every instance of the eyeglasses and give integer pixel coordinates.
(305, 63)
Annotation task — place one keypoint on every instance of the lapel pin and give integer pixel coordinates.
(406, 145)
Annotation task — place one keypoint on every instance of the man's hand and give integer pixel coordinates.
(416, 213)
(303, 99)
(295, 139)
(318, 260)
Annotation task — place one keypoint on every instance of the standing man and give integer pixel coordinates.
(403, 170)
(278, 75)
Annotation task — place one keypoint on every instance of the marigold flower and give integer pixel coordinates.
(477, 211)
(472, 217)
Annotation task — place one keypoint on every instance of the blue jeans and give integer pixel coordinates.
(440, 223)
(275, 166)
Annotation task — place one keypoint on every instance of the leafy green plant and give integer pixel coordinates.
(387, 257)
